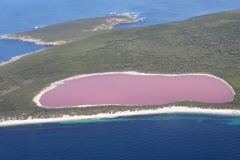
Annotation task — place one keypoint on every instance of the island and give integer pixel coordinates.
(203, 45)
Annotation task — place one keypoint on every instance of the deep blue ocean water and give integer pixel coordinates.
(167, 136)
(22, 15)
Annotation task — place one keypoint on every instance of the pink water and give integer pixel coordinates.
(127, 89)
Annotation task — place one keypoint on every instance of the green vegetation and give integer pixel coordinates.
(205, 44)
(76, 29)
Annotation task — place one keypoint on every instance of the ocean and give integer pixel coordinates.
(164, 136)
(22, 15)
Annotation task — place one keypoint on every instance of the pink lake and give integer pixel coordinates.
(126, 89)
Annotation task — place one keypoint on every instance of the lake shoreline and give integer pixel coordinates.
(36, 99)
(164, 110)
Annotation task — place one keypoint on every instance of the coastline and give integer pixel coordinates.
(109, 23)
(165, 110)
(32, 40)
(36, 99)
(18, 57)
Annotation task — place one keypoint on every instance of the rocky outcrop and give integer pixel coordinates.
(32, 40)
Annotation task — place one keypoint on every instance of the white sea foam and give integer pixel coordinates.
(165, 110)
(133, 15)
(113, 13)
(142, 19)
(37, 27)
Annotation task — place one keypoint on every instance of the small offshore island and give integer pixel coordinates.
(208, 46)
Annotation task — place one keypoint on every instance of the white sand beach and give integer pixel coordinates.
(165, 110)
(32, 40)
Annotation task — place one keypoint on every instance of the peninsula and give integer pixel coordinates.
(66, 32)
(208, 44)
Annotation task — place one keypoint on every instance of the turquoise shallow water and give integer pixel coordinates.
(228, 120)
